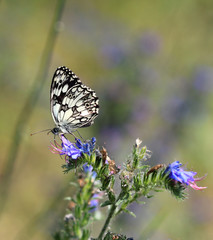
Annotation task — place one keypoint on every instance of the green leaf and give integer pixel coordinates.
(140, 202)
(85, 219)
(86, 234)
(93, 159)
(74, 184)
(106, 203)
(98, 162)
(86, 158)
(68, 199)
(124, 195)
(112, 181)
(144, 167)
(158, 190)
(106, 183)
(111, 196)
(120, 201)
(149, 196)
(77, 211)
(129, 212)
(79, 199)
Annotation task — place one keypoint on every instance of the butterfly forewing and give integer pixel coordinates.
(73, 105)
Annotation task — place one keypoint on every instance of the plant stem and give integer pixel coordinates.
(106, 224)
(110, 215)
(29, 105)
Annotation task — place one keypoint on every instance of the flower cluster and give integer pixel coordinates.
(96, 178)
(94, 201)
(89, 170)
(180, 175)
(71, 150)
(87, 147)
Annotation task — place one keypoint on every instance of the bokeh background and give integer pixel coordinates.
(151, 66)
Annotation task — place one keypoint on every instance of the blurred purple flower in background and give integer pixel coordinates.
(185, 177)
(112, 137)
(150, 43)
(149, 77)
(141, 109)
(175, 109)
(203, 79)
(113, 55)
(112, 90)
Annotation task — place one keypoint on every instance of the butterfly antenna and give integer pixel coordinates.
(41, 132)
(50, 130)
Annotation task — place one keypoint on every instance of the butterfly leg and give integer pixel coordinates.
(73, 135)
(80, 136)
(56, 144)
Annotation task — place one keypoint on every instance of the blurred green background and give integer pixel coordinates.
(151, 66)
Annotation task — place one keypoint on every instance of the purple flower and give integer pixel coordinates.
(150, 43)
(94, 202)
(185, 177)
(73, 151)
(203, 79)
(87, 147)
(88, 169)
(113, 55)
(66, 148)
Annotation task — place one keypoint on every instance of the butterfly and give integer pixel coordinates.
(73, 105)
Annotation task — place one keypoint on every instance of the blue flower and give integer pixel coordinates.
(113, 55)
(73, 151)
(88, 169)
(150, 43)
(94, 202)
(66, 148)
(185, 177)
(87, 147)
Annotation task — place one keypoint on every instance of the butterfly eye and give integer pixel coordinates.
(55, 131)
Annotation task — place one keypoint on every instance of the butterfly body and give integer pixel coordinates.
(73, 105)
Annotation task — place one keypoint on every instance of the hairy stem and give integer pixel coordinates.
(106, 224)
(109, 217)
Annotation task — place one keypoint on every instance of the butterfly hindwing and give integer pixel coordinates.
(73, 105)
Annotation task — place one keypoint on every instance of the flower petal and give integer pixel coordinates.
(185, 177)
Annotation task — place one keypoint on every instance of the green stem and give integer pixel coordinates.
(29, 105)
(106, 224)
(109, 217)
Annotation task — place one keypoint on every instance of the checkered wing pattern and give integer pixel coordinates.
(73, 105)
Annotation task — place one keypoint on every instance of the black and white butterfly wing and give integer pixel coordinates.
(73, 105)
